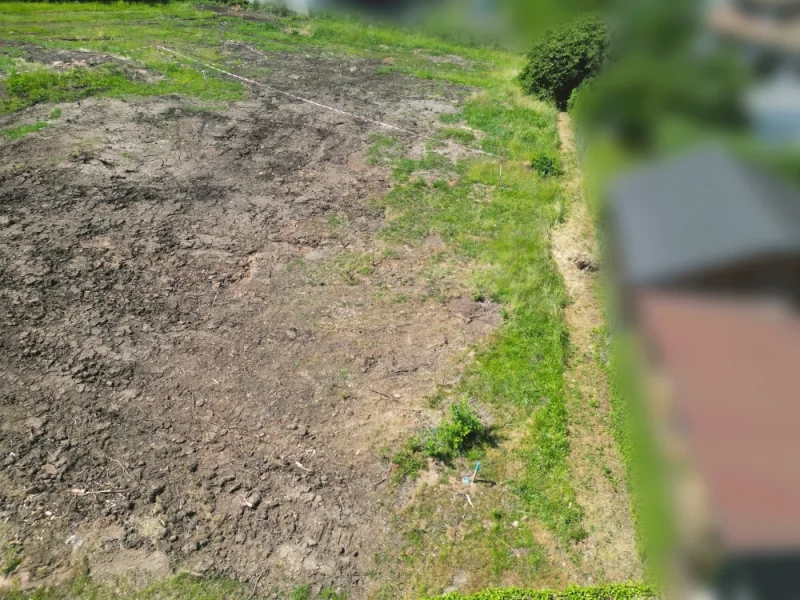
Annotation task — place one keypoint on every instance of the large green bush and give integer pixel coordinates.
(564, 58)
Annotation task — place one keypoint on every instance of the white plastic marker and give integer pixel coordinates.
(330, 108)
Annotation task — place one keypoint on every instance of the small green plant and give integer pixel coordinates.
(11, 558)
(565, 58)
(546, 164)
(301, 592)
(409, 460)
(55, 113)
(462, 431)
(332, 594)
(334, 221)
(456, 434)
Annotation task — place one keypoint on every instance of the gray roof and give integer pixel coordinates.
(699, 212)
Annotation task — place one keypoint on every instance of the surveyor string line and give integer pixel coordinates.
(323, 106)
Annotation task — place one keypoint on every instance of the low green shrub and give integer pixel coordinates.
(460, 432)
(455, 435)
(564, 58)
(546, 164)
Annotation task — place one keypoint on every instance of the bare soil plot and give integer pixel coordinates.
(204, 345)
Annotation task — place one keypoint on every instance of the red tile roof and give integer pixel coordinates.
(734, 368)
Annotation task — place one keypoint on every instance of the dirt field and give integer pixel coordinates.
(205, 347)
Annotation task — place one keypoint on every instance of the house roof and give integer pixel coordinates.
(702, 211)
(732, 368)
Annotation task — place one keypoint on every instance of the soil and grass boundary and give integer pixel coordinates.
(500, 231)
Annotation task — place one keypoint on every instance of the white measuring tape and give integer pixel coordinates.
(330, 108)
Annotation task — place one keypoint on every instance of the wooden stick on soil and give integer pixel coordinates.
(255, 585)
(385, 477)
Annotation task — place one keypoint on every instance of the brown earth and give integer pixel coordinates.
(204, 345)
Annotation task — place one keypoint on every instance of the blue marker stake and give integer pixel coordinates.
(469, 480)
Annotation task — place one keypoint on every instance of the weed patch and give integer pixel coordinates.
(409, 460)
(11, 558)
(461, 136)
(546, 164)
(460, 432)
(383, 149)
(15, 133)
(33, 87)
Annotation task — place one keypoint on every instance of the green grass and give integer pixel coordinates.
(383, 149)
(645, 470)
(301, 592)
(11, 559)
(409, 460)
(461, 136)
(521, 373)
(602, 592)
(132, 29)
(33, 87)
(15, 133)
(180, 587)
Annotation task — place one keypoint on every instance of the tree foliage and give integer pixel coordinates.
(565, 58)
(659, 73)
